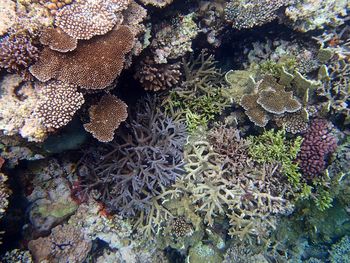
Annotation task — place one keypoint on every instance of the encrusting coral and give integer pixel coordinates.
(155, 77)
(58, 40)
(105, 117)
(57, 104)
(93, 65)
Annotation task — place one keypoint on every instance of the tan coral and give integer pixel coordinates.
(58, 103)
(105, 117)
(254, 111)
(58, 40)
(85, 19)
(157, 3)
(7, 15)
(93, 65)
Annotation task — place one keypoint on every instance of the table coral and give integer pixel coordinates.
(155, 77)
(93, 65)
(318, 144)
(105, 117)
(58, 40)
(57, 104)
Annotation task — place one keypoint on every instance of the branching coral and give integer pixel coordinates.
(94, 64)
(247, 14)
(65, 244)
(133, 169)
(105, 117)
(318, 144)
(57, 104)
(17, 52)
(157, 77)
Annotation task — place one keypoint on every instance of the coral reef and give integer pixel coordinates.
(58, 40)
(17, 256)
(105, 61)
(57, 104)
(157, 3)
(340, 251)
(155, 77)
(105, 117)
(317, 144)
(7, 15)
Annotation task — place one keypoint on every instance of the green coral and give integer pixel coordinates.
(288, 63)
(272, 147)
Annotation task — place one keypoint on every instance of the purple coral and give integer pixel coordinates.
(134, 168)
(17, 52)
(318, 143)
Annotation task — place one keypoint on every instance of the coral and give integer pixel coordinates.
(271, 147)
(241, 82)
(308, 15)
(4, 194)
(17, 105)
(240, 253)
(174, 40)
(181, 228)
(340, 251)
(143, 159)
(157, 77)
(157, 3)
(58, 40)
(17, 256)
(318, 144)
(341, 162)
(293, 122)
(65, 244)
(7, 15)
(248, 14)
(57, 104)
(204, 253)
(269, 98)
(83, 20)
(105, 117)
(93, 65)
(17, 52)
(201, 96)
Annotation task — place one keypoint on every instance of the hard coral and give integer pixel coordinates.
(106, 117)
(93, 65)
(57, 104)
(7, 15)
(133, 169)
(85, 19)
(58, 40)
(157, 77)
(318, 144)
(157, 3)
(17, 52)
(66, 243)
(247, 14)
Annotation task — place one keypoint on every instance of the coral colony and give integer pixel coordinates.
(163, 131)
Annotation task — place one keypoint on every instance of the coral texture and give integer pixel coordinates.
(58, 40)
(65, 244)
(248, 14)
(157, 77)
(94, 64)
(318, 144)
(17, 52)
(85, 19)
(139, 163)
(105, 117)
(57, 104)
(7, 15)
(157, 3)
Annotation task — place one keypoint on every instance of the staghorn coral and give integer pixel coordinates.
(85, 19)
(248, 14)
(308, 15)
(93, 65)
(139, 163)
(105, 117)
(174, 40)
(58, 40)
(57, 104)
(17, 52)
(157, 77)
(318, 144)
(66, 243)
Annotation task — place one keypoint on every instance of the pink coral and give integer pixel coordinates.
(318, 143)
